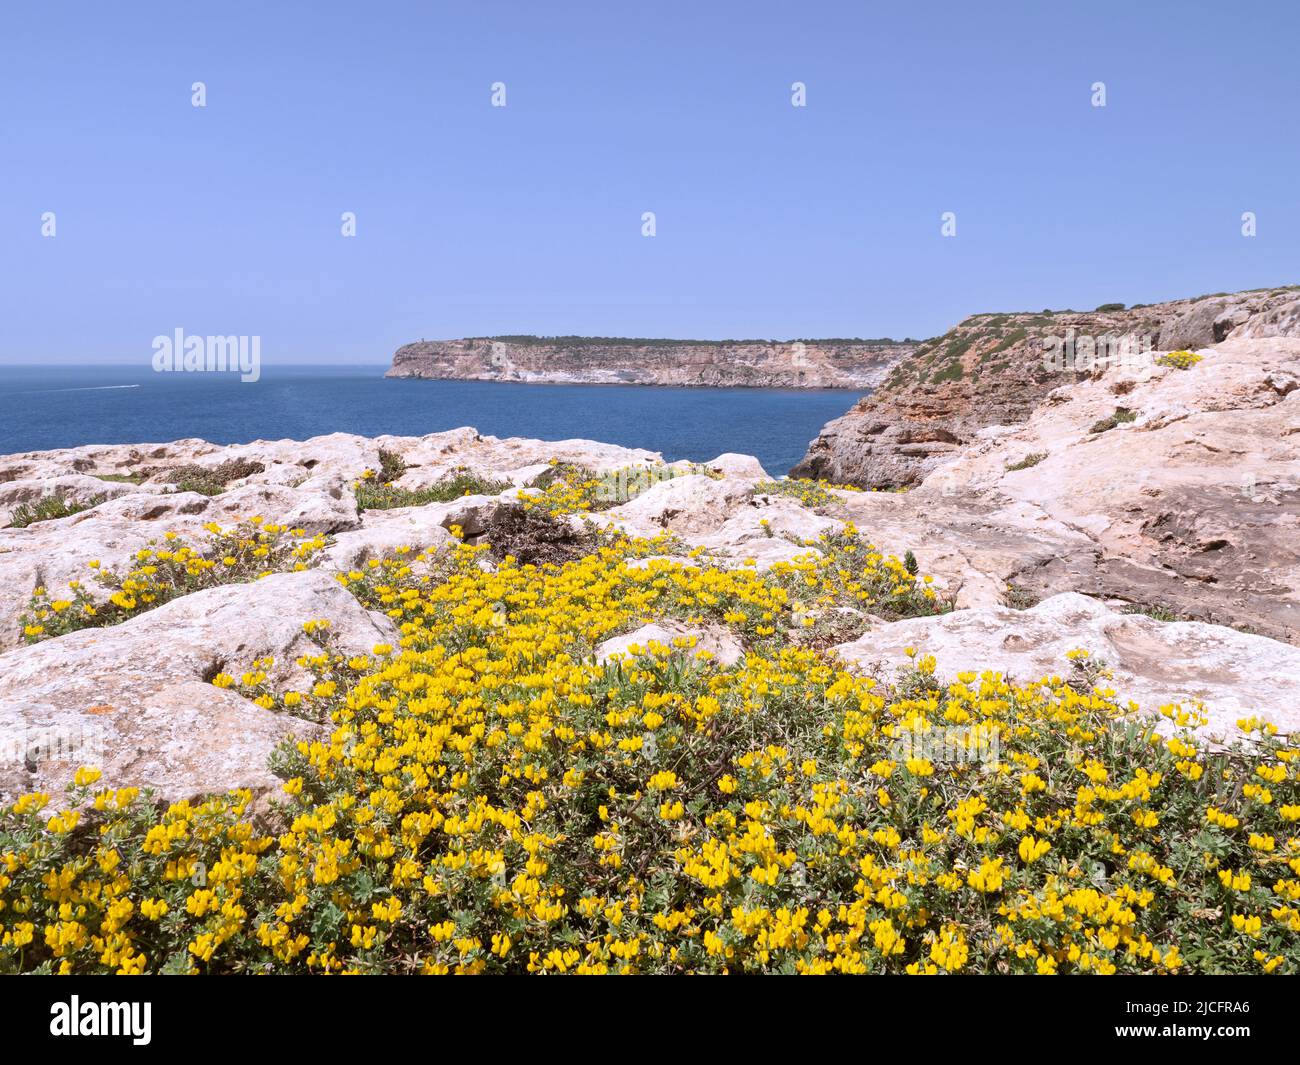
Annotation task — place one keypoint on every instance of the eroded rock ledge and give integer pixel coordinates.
(990, 371)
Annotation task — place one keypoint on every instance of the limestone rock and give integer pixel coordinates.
(991, 370)
(1194, 506)
(739, 467)
(134, 700)
(1155, 663)
(768, 530)
(1206, 322)
(73, 487)
(382, 532)
(725, 648)
(692, 504)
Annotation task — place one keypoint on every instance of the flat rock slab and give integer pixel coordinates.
(134, 699)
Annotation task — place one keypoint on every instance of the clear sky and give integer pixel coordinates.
(771, 220)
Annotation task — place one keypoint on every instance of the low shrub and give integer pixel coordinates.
(372, 494)
(212, 480)
(571, 489)
(809, 493)
(536, 537)
(391, 465)
(50, 507)
(1179, 360)
(165, 571)
(953, 371)
(1155, 611)
(1121, 416)
(1018, 598)
(492, 798)
(1028, 462)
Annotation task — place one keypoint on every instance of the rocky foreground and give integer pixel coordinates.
(618, 361)
(457, 704)
(1168, 545)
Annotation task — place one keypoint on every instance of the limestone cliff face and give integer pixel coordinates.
(995, 369)
(615, 361)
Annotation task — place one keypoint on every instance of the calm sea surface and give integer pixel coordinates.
(63, 406)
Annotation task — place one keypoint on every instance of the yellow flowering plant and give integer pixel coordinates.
(375, 491)
(1179, 360)
(163, 571)
(571, 489)
(815, 495)
(492, 797)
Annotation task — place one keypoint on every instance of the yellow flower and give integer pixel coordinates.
(85, 776)
(989, 877)
(1248, 925)
(1032, 849)
(33, 802)
(64, 822)
(153, 909)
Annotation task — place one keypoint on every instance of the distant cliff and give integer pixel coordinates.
(623, 361)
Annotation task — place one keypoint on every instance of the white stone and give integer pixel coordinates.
(1156, 663)
(719, 642)
(137, 690)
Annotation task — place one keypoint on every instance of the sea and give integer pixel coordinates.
(44, 407)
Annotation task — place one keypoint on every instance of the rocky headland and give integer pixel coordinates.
(624, 361)
(996, 369)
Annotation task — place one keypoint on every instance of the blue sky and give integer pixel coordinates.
(772, 221)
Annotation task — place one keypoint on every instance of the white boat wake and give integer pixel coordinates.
(82, 388)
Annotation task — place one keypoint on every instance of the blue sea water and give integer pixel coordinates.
(64, 406)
